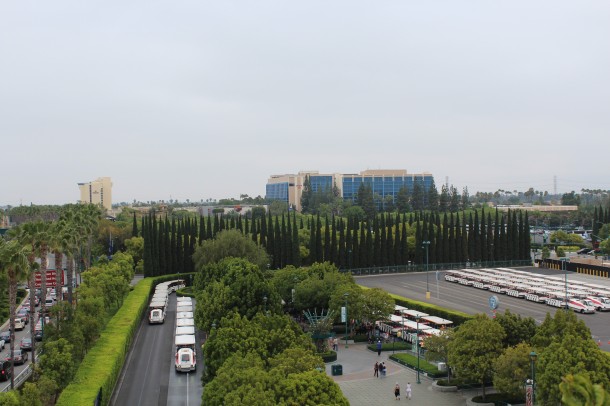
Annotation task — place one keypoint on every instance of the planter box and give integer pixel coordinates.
(439, 388)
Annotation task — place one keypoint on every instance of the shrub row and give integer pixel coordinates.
(103, 363)
(433, 310)
(396, 346)
(410, 360)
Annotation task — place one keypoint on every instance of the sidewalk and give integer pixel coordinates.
(361, 388)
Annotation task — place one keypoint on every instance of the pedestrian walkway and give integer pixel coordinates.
(361, 388)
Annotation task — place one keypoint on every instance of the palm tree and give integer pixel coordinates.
(14, 260)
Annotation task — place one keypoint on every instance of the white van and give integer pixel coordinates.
(186, 357)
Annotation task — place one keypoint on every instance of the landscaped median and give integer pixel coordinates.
(103, 363)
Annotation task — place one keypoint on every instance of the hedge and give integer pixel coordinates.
(102, 365)
(410, 360)
(396, 346)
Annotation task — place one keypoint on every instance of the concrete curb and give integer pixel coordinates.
(439, 388)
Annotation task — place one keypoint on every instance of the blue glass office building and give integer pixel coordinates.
(384, 182)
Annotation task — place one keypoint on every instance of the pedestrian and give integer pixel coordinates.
(408, 391)
(397, 391)
(376, 369)
(378, 348)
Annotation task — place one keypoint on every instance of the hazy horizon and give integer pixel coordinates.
(200, 99)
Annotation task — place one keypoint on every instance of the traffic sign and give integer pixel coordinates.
(494, 302)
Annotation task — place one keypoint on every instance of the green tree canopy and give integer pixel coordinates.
(512, 369)
(518, 329)
(229, 243)
(476, 345)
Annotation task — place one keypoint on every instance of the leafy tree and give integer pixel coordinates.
(567, 348)
(135, 247)
(10, 398)
(403, 204)
(264, 335)
(517, 328)
(570, 199)
(577, 390)
(57, 362)
(241, 287)
(512, 368)
(230, 243)
(476, 345)
(437, 348)
(432, 197)
(366, 201)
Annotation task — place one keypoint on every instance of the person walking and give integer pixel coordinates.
(397, 391)
(376, 369)
(382, 368)
(408, 394)
(378, 348)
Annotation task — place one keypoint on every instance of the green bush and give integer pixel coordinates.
(328, 356)
(498, 399)
(410, 360)
(397, 346)
(360, 338)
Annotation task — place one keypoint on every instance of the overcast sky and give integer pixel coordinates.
(206, 99)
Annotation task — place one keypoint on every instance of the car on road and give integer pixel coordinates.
(21, 357)
(5, 336)
(26, 344)
(38, 334)
(24, 314)
(5, 370)
(19, 324)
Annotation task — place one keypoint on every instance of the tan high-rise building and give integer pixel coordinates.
(98, 191)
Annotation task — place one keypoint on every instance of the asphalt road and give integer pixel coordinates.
(149, 376)
(471, 300)
(7, 349)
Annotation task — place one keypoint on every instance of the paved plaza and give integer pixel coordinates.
(361, 388)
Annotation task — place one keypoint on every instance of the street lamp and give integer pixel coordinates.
(533, 357)
(345, 295)
(265, 302)
(417, 346)
(425, 245)
(564, 268)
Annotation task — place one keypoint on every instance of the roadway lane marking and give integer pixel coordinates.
(147, 370)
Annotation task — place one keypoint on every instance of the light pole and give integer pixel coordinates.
(565, 275)
(426, 244)
(533, 357)
(417, 346)
(265, 302)
(345, 295)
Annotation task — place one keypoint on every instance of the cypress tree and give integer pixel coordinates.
(397, 260)
(515, 237)
(471, 240)
(134, 227)
(362, 256)
(503, 253)
(201, 229)
(341, 250)
(146, 251)
(369, 245)
(319, 252)
(404, 244)
(490, 239)
(333, 241)
(277, 245)
(312, 244)
(209, 232)
(296, 244)
(179, 248)
(288, 241)
(327, 255)
(270, 237)
(355, 257)
(483, 237)
(376, 243)
(383, 242)
(446, 245)
(419, 237)
(451, 240)
(263, 230)
(459, 250)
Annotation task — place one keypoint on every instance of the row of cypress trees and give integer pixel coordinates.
(386, 240)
